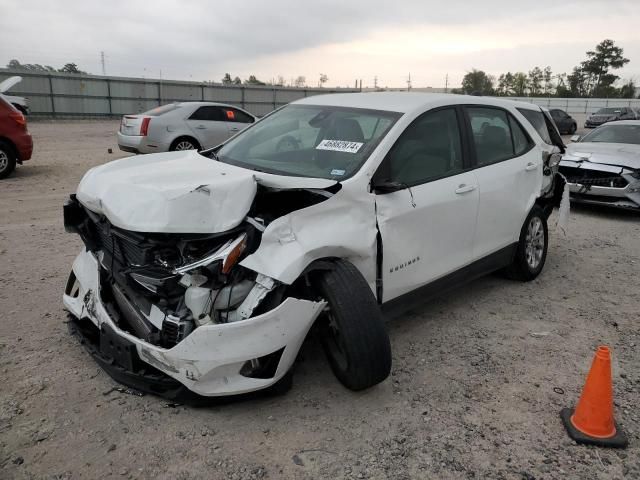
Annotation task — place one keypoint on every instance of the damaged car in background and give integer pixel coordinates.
(204, 272)
(603, 167)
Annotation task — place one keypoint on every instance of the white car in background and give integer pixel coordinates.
(204, 271)
(181, 126)
(19, 102)
(603, 166)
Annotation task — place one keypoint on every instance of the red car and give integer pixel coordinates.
(16, 144)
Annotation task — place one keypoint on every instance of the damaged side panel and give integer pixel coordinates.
(342, 226)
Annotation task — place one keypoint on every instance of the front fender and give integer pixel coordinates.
(344, 226)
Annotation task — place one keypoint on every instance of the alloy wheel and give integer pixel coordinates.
(534, 243)
(4, 161)
(185, 145)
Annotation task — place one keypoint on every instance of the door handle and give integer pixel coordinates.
(234, 129)
(464, 188)
(530, 166)
(201, 127)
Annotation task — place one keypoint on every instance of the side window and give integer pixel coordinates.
(209, 113)
(521, 141)
(536, 119)
(491, 134)
(429, 148)
(235, 115)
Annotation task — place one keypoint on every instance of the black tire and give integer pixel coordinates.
(523, 267)
(352, 330)
(7, 159)
(180, 144)
(573, 129)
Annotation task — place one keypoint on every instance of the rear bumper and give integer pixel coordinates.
(24, 146)
(208, 362)
(139, 144)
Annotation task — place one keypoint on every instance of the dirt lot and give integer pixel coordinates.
(479, 376)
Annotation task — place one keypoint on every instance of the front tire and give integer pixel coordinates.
(7, 160)
(532, 247)
(352, 329)
(573, 129)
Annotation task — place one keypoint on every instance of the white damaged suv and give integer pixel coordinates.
(203, 272)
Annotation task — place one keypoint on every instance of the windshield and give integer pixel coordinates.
(310, 141)
(615, 134)
(608, 111)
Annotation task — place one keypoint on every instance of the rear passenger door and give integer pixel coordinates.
(208, 124)
(237, 120)
(509, 172)
(427, 220)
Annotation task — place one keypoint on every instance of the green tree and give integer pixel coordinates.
(547, 77)
(520, 84)
(628, 90)
(577, 82)
(237, 81)
(505, 84)
(536, 76)
(226, 80)
(71, 68)
(252, 80)
(477, 82)
(606, 57)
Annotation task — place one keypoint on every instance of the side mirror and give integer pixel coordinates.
(575, 138)
(387, 186)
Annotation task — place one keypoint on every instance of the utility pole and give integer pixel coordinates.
(446, 83)
(375, 82)
(104, 72)
(409, 82)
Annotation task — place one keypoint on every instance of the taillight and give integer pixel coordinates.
(18, 117)
(144, 126)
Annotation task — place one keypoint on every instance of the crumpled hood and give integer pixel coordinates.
(177, 192)
(619, 154)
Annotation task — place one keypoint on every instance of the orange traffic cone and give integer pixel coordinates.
(592, 420)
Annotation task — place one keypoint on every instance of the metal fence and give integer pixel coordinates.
(580, 105)
(62, 95)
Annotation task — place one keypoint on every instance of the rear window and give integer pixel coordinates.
(536, 119)
(156, 112)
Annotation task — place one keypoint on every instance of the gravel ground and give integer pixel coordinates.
(479, 375)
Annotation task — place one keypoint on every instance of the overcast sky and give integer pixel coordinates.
(345, 39)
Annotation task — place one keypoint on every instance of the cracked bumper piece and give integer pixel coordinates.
(211, 361)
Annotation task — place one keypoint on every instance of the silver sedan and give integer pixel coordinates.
(181, 126)
(603, 167)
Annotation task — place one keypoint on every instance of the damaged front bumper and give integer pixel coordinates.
(602, 184)
(213, 360)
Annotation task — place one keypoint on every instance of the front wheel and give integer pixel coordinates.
(7, 160)
(573, 129)
(532, 247)
(352, 329)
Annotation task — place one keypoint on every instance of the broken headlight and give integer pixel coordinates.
(229, 253)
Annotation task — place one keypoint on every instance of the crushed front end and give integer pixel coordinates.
(603, 184)
(162, 312)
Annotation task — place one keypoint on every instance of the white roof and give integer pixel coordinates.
(405, 102)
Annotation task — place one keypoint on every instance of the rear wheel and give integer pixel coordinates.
(532, 247)
(573, 129)
(7, 160)
(352, 329)
(184, 143)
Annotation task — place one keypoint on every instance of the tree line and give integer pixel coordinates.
(593, 77)
(36, 67)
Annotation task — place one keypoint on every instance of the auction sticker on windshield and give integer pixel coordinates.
(339, 146)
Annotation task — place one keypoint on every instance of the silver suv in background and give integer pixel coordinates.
(181, 126)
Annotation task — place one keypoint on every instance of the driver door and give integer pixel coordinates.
(427, 226)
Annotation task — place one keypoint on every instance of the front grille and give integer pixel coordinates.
(127, 251)
(584, 176)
